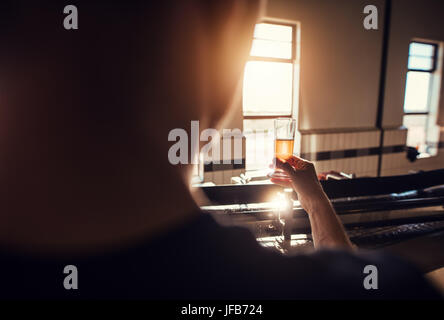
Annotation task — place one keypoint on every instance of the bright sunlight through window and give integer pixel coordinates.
(268, 80)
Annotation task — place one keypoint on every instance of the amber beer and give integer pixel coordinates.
(284, 148)
(284, 130)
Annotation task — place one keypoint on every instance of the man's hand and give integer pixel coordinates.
(326, 228)
(304, 180)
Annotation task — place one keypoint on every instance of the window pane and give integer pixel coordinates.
(416, 136)
(271, 49)
(267, 88)
(420, 63)
(273, 32)
(421, 49)
(259, 143)
(417, 92)
(272, 41)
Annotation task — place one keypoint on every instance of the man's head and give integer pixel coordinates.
(131, 69)
(85, 114)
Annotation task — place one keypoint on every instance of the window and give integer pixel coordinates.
(419, 110)
(269, 88)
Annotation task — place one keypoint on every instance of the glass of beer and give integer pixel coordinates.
(284, 131)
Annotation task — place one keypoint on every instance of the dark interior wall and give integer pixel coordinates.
(409, 19)
(340, 61)
(340, 76)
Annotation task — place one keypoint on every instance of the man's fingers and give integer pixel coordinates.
(298, 163)
(284, 166)
(282, 182)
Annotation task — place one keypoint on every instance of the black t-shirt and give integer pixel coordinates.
(203, 260)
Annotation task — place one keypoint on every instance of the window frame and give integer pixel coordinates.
(292, 60)
(431, 71)
(434, 57)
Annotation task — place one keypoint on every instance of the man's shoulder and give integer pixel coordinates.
(326, 273)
